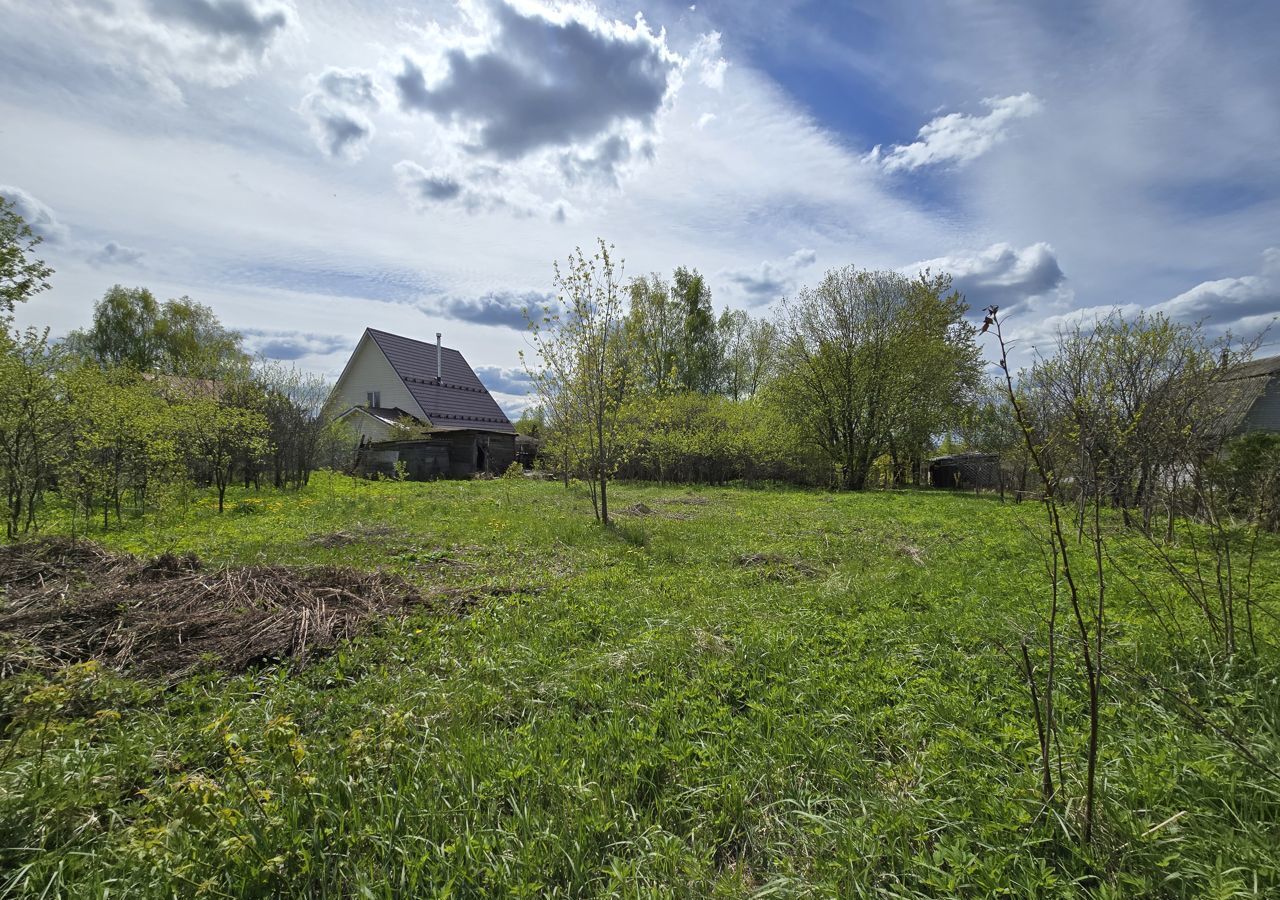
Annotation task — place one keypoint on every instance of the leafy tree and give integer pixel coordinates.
(1135, 406)
(179, 337)
(939, 369)
(581, 372)
(750, 349)
(33, 424)
(299, 432)
(654, 334)
(220, 435)
(192, 342)
(867, 359)
(125, 437)
(21, 274)
(699, 360)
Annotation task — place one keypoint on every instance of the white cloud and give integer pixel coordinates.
(957, 138)
(770, 281)
(566, 89)
(1245, 305)
(335, 109)
(706, 59)
(38, 215)
(114, 255)
(216, 42)
(1001, 274)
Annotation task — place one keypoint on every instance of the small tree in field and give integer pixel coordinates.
(220, 434)
(580, 372)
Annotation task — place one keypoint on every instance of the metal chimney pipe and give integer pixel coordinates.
(438, 357)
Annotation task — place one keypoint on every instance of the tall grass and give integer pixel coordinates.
(770, 693)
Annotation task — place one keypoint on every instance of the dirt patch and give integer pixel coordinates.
(638, 509)
(68, 602)
(775, 566)
(351, 536)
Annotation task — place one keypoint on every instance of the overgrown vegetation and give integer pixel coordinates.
(744, 691)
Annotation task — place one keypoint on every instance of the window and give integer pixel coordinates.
(374, 398)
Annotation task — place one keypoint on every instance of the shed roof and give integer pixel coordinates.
(458, 400)
(387, 415)
(1256, 368)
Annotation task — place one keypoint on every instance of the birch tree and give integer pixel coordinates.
(580, 368)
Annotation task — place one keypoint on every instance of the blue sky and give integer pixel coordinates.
(310, 167)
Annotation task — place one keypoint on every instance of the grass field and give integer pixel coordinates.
(731, 693)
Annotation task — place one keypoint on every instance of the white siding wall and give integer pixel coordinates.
(368, 427)
(370, 371)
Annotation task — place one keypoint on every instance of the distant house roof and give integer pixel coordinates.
(458, 400)
(1245, 386)
(1256, 368)
(387, 415)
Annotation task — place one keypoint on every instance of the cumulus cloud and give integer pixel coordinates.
(546, 78)
(770, 281)
(217, 42)
(336, 111)
(503, 380)
(503, 309)
(38, 215)
(957, 137)
(555, 95)
(1001, 274)
(292, 345)
(1245, 305)
(113, 255)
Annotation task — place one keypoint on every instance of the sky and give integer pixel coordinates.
(308, 168)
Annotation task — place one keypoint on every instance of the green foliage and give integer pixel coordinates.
(532, 422)
(582, 369)
(179, 337)
(875, 363)
(21, 274)
(699, 362)
(750, 352)
(1246, 477)
(648, 711)
(711, 439)
(33, 424)
(124, 440)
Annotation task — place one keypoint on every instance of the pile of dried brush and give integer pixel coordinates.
(63, 602)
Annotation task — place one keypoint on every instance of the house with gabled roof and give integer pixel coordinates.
(420, 405)
(1254, 398)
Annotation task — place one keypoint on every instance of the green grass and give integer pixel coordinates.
(770, 693)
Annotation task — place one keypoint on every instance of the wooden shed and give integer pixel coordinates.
(965, 470)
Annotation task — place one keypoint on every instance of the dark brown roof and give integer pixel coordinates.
(459, 400)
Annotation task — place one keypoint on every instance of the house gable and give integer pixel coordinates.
(455, 400)
(370, 370)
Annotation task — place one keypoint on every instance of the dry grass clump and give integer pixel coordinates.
(67, 602)
(776, 567)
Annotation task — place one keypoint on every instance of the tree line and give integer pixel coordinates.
(149, 402)
(641, 379)
(857, 380)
